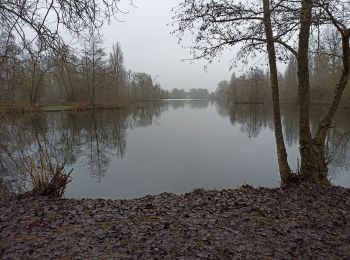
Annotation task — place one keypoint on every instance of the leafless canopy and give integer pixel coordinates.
(218, 24)
(28, 20)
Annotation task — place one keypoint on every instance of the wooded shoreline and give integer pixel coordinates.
(57, 107)
(283, 223)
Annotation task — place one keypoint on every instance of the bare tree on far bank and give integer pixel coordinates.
(38, 66)
(88, 76)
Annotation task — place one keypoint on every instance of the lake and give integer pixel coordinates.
(167, 146)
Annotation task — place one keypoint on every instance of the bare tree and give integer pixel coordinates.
(65, 73)
(218, 24)
(94, 65)
(284, 168)
(11, 69)
(45, 18)
(37, 63)
(313, 156)
(116, 62)
(223, 91)
(233, 86)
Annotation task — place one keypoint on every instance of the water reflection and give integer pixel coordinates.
(252, 119)
(90, 137)
(175, 145)
(192, 103)
(26, 148)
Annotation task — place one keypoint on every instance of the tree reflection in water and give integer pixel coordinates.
(252, 119)
(92, 137)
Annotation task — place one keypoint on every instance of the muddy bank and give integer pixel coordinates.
(246, 223)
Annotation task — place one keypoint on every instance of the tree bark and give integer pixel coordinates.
(314, 165)
(284, 169)
(307, 167)
(324, 126)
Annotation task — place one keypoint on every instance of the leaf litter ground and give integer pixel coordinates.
(304, 222)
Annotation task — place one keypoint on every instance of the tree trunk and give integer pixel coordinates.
(308, 166)
(312, 150)
(285, 172)
(324, 126)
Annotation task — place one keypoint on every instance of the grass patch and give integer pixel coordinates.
(52, 108)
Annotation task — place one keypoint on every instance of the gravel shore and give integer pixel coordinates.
(304, 222)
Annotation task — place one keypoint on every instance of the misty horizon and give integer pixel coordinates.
(144, 33)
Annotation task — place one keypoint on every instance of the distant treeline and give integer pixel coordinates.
(32, 73)
(199, 93)
(254, 86)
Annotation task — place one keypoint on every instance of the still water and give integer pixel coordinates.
(170, 146)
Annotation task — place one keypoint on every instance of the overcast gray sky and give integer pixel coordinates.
(149, 47)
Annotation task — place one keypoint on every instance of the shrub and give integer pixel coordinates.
(45, 179)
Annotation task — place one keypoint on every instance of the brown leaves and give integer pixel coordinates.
(247, 223)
